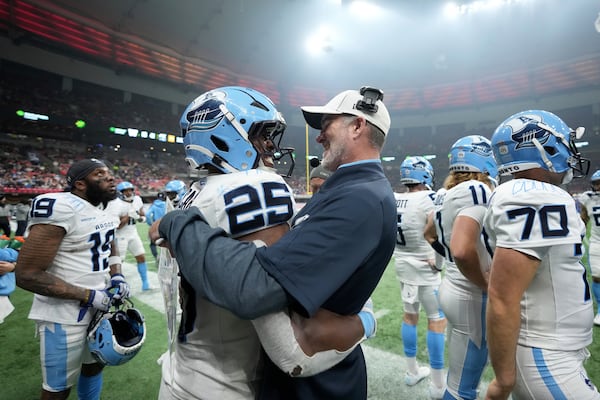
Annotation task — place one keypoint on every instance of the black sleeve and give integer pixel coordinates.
(223, 270)
(439, 248)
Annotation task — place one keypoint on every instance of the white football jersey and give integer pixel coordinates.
(541, 220)
(413, 208)
(82, 258)
(120, 207)
(218, 353)
(470, 199)
(591, 201)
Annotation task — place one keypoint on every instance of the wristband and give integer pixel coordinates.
(368, 321)
(112, 260)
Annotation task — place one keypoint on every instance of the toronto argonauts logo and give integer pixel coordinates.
(525, 128)
(481, 148)
(204, 111)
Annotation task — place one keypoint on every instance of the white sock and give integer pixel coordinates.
(438, 378)
(411, 363)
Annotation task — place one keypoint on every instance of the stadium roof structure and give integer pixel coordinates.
(420, 58)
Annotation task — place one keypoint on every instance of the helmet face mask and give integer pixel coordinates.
(116, 337)
(416, 170)
(221, 126)
(538, 139)
(266, 138)
(473, 154)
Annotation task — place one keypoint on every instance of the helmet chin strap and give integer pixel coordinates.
(543, 155)
(231, 118)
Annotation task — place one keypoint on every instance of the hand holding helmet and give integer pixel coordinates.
(121, 288)
(116, 337)
(101, 299)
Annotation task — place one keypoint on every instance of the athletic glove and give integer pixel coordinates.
(117, 282)
(99, 299)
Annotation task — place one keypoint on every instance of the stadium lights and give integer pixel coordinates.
(320, 41)
(452, 10)
(144, 134)
(429, 156)
(581, 144)
(32, 116)
(365, 9)
(388, 158)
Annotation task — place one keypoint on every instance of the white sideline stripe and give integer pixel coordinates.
(385, 370)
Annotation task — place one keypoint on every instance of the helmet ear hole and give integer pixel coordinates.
(219, 144)
(550, 150)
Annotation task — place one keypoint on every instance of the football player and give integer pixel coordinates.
(418, 275)
(174, 190)
(232, 136)
(590, 210)
(66, 261)
(463, 290)
(129, 208)
(540, 312)
(155, 212)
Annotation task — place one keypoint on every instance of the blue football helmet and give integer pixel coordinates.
(218, 128)
(116, 337)
(473, 154)
(175, 190)
(124, 186)
(415, 170)
(538, 139)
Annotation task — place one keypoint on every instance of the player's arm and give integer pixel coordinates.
(36, 256)
(430, 234)
(117, 281)
(123, 220)
(463, 247)
(233, 264)
(511, 274)
(302, 346)
(584, 214)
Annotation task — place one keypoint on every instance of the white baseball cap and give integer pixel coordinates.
(346, 103)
